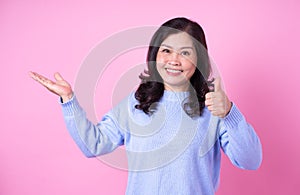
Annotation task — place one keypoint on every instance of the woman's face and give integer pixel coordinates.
(176, 60)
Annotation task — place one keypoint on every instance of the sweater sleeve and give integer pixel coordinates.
(92, 139)
(239, 140)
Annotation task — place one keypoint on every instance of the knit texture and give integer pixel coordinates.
(168, 152)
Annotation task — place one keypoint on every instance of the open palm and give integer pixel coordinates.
(59, 87)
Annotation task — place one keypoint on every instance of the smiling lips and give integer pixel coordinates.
(173, 70)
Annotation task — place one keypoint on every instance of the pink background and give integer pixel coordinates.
(255, 44)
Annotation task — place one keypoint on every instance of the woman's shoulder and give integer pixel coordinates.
(127, 104)
(127, 113)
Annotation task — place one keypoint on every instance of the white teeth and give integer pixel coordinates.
(173, 71)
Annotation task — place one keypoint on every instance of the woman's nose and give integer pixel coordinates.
(174, 59)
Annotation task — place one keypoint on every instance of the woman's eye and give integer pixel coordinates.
(185, 53)
(165, 50)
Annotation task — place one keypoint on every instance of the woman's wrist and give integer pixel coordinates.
(66, 98)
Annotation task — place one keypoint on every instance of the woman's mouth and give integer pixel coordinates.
(173, 70)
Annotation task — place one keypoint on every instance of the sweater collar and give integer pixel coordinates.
(175, 96)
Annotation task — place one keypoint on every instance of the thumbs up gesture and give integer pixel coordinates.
(217, 101)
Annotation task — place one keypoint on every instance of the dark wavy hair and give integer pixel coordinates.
(152, 88)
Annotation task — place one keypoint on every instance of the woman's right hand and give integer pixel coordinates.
(60, 87)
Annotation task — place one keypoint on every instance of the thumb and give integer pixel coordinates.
(58, 77)
(217, 84)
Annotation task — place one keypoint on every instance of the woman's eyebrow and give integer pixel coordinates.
(185, 47)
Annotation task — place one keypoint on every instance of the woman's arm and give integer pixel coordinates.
(93, 140)
(239, 140)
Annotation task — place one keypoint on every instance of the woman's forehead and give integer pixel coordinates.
(178, 41)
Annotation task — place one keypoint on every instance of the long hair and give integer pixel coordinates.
(151, 88)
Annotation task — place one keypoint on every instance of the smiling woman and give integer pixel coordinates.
(178, 43)
(176, 61)
(173, 127)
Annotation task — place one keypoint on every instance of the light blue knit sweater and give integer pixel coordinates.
(168, 152)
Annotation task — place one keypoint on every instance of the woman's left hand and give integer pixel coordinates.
(217, 101)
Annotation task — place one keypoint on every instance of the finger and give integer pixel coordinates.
(33, 75)
(208, 102)
(209, 95)
(41, 79)
(30, 73)
(214, 111)
(58, 77)
(36, 76)
(217, 84)
(211, 108)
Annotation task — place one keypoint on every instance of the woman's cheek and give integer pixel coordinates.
(161, 58)
(190, 60)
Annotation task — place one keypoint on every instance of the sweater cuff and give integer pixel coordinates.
(233, 117)
(71, 107)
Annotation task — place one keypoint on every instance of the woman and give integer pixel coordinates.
(175, 124)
